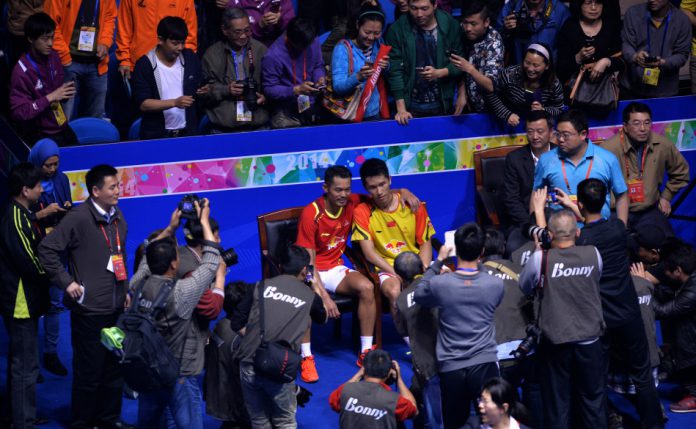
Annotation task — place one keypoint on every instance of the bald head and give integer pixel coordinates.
(407, 266)
(563, 226)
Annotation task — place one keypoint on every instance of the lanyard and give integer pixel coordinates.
(94, 17)
(247, 52)
(642, 161)
(38, 72)
(118, 237)
(662, 48)
(468, 270)
(587, 176)
(304, 69)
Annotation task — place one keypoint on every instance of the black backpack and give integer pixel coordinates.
(147, 363)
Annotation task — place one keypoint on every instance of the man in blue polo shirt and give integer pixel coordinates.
(576, 159)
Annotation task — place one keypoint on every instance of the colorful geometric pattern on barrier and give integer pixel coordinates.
(303, 167)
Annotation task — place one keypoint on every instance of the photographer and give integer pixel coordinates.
(366, 401)
(233, 68)
(182, 336)
(571, 323)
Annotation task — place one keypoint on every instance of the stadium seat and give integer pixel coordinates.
(489, 165)
(134, 132)
(94, 130)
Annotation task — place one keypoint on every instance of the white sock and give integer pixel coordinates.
(407, 340)
(365, 343)
(306, 349)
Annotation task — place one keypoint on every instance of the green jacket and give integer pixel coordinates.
(402, 73)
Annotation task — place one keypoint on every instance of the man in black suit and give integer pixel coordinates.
(519, 175)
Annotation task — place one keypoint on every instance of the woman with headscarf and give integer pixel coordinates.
(54, 202)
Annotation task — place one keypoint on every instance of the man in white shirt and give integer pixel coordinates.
(165, 83)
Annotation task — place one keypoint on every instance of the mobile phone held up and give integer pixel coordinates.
(275, 6)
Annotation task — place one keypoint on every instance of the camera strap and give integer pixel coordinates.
(262, 323)
(543, 281)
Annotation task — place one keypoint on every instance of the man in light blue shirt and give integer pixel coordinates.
(576, 159)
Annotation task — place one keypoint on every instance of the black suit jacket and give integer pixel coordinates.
(517, 187)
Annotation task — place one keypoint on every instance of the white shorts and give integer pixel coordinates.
(383, 277)
(333, 277)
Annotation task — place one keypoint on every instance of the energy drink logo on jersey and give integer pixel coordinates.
(335, 241)
(394, 246)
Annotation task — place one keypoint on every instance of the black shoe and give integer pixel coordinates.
(53, 365)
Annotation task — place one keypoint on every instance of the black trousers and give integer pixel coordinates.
(459, 388)
(22, 370)
(650, 218)
(97, 383)
(573, 374)
(630, 342)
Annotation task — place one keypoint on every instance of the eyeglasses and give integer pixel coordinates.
(637, 123)
(238, 33)
(565, 135)
(482, 400)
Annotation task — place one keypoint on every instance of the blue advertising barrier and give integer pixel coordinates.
(248, 174)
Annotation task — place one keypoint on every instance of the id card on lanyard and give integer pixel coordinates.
(573, 197)
(56, 107)
(243, 112)
(116, 264)
(303, 101)
(88, 33)
(636, 188)
(651, 75)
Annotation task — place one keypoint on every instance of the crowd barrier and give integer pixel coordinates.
(247, 174)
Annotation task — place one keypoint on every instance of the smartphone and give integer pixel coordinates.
(310, 274)
(369, 63)
(589, 42)
(275, 6)
(420, 69)
(449, 241)
(650, 59)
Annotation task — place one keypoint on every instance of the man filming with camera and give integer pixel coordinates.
(566, 280)
(159, 269)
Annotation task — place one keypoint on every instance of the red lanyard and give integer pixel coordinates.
(118, 237)
(304, 69)
(642, 161)
(587, 176)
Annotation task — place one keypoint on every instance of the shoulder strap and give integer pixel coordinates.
(160, 301)
(503, 269)
(259, 288)
(350, 55)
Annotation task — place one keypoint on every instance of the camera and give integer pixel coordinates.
(523, 26)
(540, 234)
(188, 208)
(650, 59)
(229, 257)
(249, 93)
(589, 41)
(391, 377)
(529, 343)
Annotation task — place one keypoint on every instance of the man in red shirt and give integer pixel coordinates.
(323, 230)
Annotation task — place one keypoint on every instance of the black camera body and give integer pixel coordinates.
(249, 93)
(188, 208)
(229, 257)
(523, 25)
(529, 343)
(540, 234)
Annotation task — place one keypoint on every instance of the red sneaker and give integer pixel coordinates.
(362, 355)
(686, 405)
(308, 370)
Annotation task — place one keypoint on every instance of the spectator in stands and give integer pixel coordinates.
(524, 22)
(361, 51)
(52, 206)
(625, 333)
(386, 226)
(231, 67)
(23, 291)
(367, 390)
(654, 52)
(689, 9)
(680, 266)
(588, 37)
(484, 58)
(293, 75)
(575, 159)
(466, 301)
(158, 269)
(84, 34)
(93, 236)
(37, 86)
(571, 323)
(269, 19)
(17, 13)
(498, 407)
(400, 8)
(521, 89)
(519, 175)
(137, 35)
(645, 157)
(420, 325)
(267, 400)
(165, 82)
(421, 78)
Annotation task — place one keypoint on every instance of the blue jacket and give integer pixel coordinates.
(345, 84)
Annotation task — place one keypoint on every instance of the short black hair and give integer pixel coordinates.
(368, 12)
(540, 115)
(336, 171)
(23, 174)
(96, 175)
(172, 28)
(495, 242)
(476, 7)
(160, 254)
(677, 253)
(577, 119)
(592, 193)
(407, 266)
(377, 363)
(37, 25)
(296, 258)
(301, 33)
(469, 239)
(193, 231)
(432, 2)
(635, 107)
(373, 167)
(502, 392)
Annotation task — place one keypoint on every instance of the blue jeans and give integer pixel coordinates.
(52, 320)
(22, 370)
(270, 404)
(91, 91)
(183, 400)
(432, 402)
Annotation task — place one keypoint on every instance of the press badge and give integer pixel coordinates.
(119, 267)
(303, 103)
(243, 114)
(85, 42)
(635, 191)
(651, 75)
(58, 112)
(574, 199)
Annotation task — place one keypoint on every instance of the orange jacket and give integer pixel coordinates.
(137, 26)
(64, 13)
